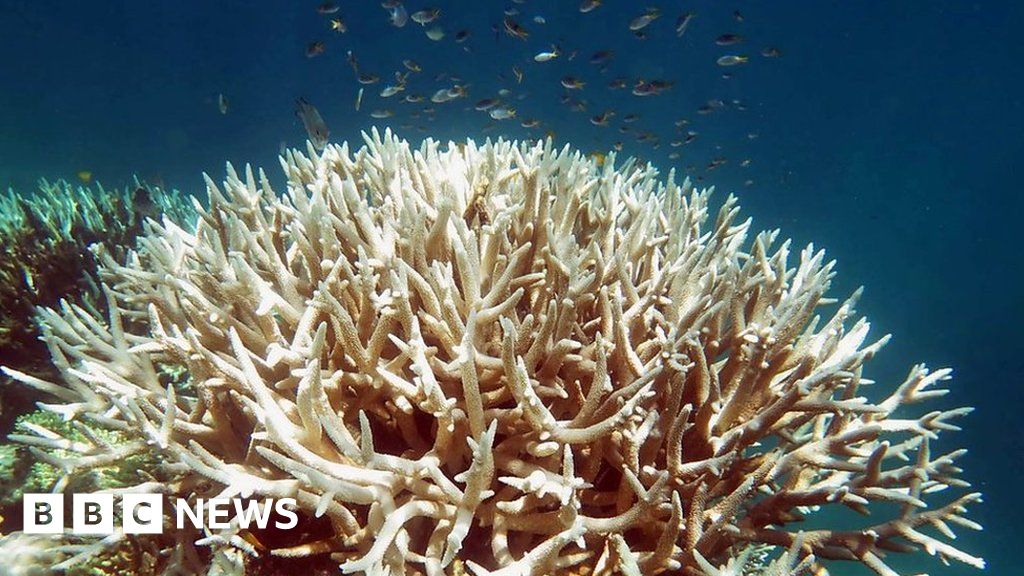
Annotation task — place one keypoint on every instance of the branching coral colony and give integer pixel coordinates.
(509, 357)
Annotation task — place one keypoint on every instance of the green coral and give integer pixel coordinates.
(45, 257)
(41, 476)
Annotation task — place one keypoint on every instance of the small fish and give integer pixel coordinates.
(539, 20)
(601, 57)
(84, 176)
(384, 113)
(771, 52)
(617, 83)
(630, 118)
(675, 143)
(440, 96)
(461, 36)
(222, 103)
(731, 60)
(359, 99)
(351, 59)
(571, 83)
(424, 17)
(504, 92)
(547, 56)
(368, 79)
(745, 162)
(511, 12)
(748, 183)
(640, 35)
(327, 8)
(589, 5)
(690, 137)
(315, 49)
(414, 98)
(412, 66)
(715, 163)
(737, 15)
(502, 113)
(642, 21)
(338, 25)
(391, 90)
(642, 88)
(673, 156)
(513, 29)
(683, 22)
(315, 126)
(436, 33)
(518, 74)
(728, 39)
(617, 146)
(530, 123)
(486, 104)
(397, 15)
(752, 136)
(602, 119)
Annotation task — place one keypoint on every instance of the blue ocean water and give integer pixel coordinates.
(889, 133)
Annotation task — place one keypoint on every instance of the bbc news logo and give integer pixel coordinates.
(144, 513)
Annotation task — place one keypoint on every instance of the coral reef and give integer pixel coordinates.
(506, 356)
(44, 257)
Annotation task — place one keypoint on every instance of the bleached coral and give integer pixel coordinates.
(508, 355)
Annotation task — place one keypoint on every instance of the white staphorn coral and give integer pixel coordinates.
(511, 356)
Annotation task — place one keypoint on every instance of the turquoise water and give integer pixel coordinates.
(888, 133)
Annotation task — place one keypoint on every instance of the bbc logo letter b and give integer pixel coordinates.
(43, 513)
(92, 514)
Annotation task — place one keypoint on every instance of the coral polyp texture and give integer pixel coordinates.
(508, 358)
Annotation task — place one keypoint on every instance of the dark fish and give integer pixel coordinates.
(601, 56)
(728, 39)
(715, 163)
(771, 52)
(572, 83)
(617, 83)
(315, 49)
(315, 126)
(327, 8)
(368, 78)
(683, 22)
(602, 119)
(630, 118)
(736, 14)
(513, 29)
(487, 104)
(462, 35)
